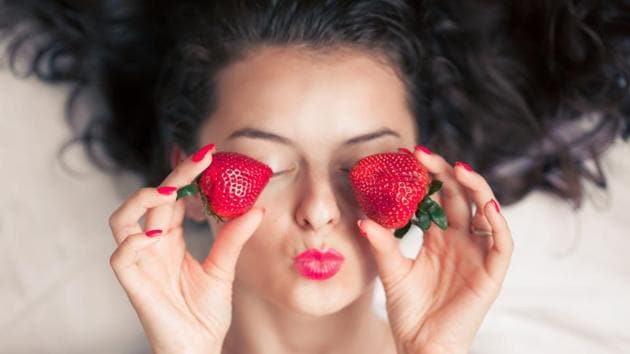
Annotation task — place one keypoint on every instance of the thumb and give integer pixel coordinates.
(228, 243)
(391, 263)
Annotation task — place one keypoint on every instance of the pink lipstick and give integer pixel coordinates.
(318, 265)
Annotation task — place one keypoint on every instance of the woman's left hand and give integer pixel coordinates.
(436, 302)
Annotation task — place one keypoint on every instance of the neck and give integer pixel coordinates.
(259, 326)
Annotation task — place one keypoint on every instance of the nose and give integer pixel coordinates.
(317, 207)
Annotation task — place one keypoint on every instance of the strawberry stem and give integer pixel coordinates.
(192, 189)
(188, 190)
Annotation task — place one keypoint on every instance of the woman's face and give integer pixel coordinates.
(309, 116)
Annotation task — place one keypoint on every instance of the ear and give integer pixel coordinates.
(194, 207)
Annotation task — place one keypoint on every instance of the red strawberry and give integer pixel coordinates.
(391, 187)
(230, 185)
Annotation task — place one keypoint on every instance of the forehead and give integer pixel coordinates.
(303, 93)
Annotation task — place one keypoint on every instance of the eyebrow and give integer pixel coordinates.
(254, 133)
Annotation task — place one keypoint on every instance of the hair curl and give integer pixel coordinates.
(527, 92)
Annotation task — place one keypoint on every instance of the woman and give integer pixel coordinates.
(310, 88)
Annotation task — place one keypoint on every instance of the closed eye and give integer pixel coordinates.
(291, 169)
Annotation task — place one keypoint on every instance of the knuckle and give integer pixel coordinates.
(143, 193)
(139, 195)
(173, 177)
(441, 163)
(114, 260)
(113, 219)
(137, 198)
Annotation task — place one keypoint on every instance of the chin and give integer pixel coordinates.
(288, 290)
(322, 298)
(315, 300)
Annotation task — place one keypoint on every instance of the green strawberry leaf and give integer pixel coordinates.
(187, 190)
(424, 206)
(424, 221)
(438, 217)
(402, 231)
(432, 205)
(429, 210)
(435, 186)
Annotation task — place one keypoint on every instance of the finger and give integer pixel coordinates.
(480, 192)
(454, 197)
(183, 174)
(124, 260)
(481, 233)
(229, 242)
(499, 256)
(480, 225)
(124, 220)
(391, 263)
(174, 244)
(179, 212)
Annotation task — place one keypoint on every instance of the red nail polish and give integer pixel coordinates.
(166, 190)
(199, 155)
(496, 205)
(424, 149)
(154, 232)
(464, 165)
(363, 233)
(405, 151)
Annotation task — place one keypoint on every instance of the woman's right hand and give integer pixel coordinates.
(184, 306)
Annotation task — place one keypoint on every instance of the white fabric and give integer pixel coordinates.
(567, 291)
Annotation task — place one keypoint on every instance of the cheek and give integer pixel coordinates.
(366, 261)
(267, 249)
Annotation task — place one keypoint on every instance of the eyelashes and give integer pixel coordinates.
(282, 172)
(345, 169)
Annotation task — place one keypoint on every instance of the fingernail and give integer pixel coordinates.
(154, 232)
(404, 151)
(166, 190)
(424, 149)
(464, 165)
(199, 155)
(497, 207)
(363, 233)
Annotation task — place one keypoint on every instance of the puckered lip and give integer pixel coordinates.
(315, 264)
(314, 254)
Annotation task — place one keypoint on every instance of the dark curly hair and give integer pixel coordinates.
(527, 92)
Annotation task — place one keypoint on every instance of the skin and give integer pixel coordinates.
(333, 100)
(310, 116)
